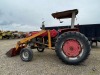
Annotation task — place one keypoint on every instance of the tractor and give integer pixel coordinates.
(7, 35)
(71, 46)
(0, 34)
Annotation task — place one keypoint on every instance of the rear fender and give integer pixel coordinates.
(68, 29)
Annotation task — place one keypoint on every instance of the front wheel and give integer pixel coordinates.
(72, 47)
(26, 54)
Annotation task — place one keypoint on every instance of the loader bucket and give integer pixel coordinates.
(13, 52)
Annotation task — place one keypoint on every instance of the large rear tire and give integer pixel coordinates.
(72, 47)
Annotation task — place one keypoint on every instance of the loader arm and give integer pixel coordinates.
(22, 43)
(29, 38)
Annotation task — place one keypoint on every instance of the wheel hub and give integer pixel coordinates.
(25, 55)
(72, 48)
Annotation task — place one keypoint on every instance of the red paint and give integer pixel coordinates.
(53, 33)
(72, 48)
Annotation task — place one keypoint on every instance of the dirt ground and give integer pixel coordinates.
(46, 63)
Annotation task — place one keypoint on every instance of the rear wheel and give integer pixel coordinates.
(40, 49)
(26, 54)
(72, 47)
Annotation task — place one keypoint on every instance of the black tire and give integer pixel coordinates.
(29, 54)
(40, 49)
(84, 45)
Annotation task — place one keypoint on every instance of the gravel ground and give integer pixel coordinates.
(46, 63)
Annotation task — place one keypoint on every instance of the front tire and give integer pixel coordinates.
(26, 54)
(72, 47)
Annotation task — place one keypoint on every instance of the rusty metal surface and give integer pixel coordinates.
(64, 14)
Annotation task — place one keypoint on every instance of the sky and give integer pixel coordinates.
(27, 15)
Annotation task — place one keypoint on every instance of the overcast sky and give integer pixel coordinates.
(27, 15)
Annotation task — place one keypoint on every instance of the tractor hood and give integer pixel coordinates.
(64, 14)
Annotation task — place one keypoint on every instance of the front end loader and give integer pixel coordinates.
(71, 46)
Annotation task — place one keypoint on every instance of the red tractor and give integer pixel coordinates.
(70, 45)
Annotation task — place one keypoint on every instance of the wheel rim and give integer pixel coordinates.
(72, 48)
(25, 55)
